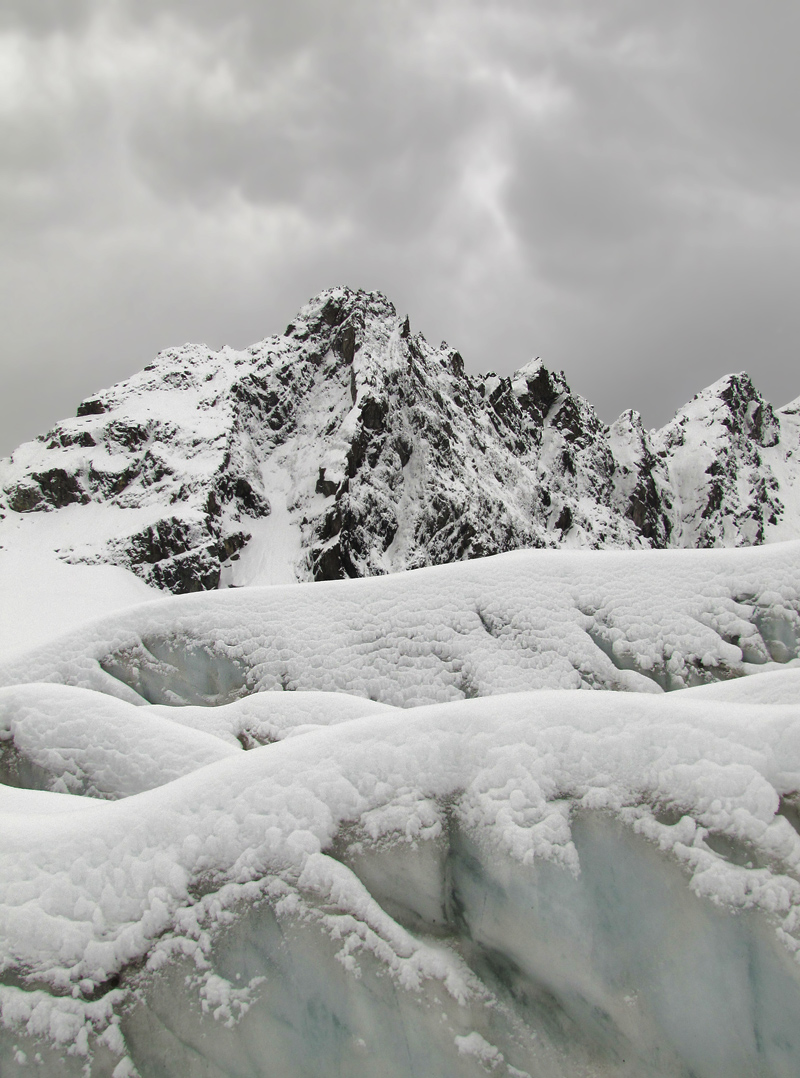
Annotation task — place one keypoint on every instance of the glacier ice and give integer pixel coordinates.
(496, 877)
(484, 885)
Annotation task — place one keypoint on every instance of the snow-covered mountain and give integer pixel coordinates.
(349, 446)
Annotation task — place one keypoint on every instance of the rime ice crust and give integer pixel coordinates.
(349, 446)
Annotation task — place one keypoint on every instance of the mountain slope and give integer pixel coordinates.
(349, 446)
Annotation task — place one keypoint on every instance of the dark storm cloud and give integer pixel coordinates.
(612, 186)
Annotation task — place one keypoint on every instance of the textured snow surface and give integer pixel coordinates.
(538, 888)
(535, 883)
(644, 621)
(69, 740)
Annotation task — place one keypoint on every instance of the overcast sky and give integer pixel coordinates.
(611, 184)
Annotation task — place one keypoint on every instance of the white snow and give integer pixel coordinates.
(271, 716)
(644, 621)
(507, 778)
(527, 882)
(780, 686)
(43, 594)
(274, 550)
(73, 741)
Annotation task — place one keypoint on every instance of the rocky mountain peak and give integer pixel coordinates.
(350, 446)
(721, 466)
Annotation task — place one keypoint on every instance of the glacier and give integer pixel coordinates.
(648, 621)
(358, 827)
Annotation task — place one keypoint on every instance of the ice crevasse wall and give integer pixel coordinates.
(422, 859)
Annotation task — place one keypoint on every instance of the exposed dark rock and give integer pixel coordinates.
(230, 545)
(240, 491)
(129, 435)
(564, 522)
(161, 540)
(345, 343)
(59, 487)
(249, 499)
(331, 524)
(196, 570)
(91, 407)
(327, 564)
(111, 483)
(334, 312)
(24, 498)
(325, 486)
(372, 414)
(404, 450)
(542, 392)
(63, 439)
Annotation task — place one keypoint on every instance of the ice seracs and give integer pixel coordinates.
(484, 886)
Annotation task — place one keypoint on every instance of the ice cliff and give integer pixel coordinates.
(349, 446)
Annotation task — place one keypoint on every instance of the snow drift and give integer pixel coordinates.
(314, 882)
(646, 621)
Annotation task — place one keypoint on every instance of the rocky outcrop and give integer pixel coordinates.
(386, 455)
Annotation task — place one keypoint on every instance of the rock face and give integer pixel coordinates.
(349, 446)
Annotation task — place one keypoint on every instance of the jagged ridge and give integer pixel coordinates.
(353, 447)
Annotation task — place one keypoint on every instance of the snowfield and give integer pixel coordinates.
(645, 621)
(357, 827)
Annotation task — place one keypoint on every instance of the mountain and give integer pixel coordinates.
(349, 446)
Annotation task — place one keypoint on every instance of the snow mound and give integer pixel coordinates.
(271, 716)
(644, 621)
(68, 740)
(773, 687)
(420, 866)
(501, 884)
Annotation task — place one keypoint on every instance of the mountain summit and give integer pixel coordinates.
(349, 446)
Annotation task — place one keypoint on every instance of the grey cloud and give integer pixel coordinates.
(611, 186)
